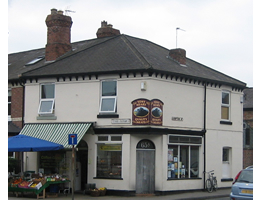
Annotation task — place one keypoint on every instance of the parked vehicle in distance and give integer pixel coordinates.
(242, 188)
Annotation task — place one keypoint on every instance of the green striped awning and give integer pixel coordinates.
(56, 132)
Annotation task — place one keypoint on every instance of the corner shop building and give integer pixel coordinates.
(154, 119)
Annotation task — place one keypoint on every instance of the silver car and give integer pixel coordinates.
(242, 188)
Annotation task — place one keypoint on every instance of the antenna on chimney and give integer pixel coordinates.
(67, 11)
(177, 35)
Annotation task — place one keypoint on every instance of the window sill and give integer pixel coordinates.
(46, 117)
(108, 178)
(113, 115)
(226, 179)
(226, 122)
(174, 179)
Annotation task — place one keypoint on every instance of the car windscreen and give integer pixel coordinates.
(246, 176)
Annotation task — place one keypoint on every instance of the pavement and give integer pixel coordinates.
(180, 196)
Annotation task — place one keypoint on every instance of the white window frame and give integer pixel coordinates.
(52, 107)
(226, 105)
(114, 106)
(111, 143)
(179, 143)
(51, 111)
(108, 97)
(189, 155)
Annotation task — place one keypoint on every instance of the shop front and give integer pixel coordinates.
(146, 161)
(58, 163)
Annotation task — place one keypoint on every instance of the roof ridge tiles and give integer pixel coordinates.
(136, 52)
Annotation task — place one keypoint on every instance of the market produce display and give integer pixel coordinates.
(36, 182)
(98, 191)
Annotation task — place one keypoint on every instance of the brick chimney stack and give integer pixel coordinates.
(179, 55)
(106, 30)
(58, 35)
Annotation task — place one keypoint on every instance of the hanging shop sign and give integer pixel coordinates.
(141, 112)
(156, 112)
(146, 112)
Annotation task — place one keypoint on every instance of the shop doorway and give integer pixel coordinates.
(145, 167)
(81, 165)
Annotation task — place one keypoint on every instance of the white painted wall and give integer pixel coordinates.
(78, 101)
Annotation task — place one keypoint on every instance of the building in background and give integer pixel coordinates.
(248, 128)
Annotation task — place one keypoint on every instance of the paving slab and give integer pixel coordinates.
(181, 196)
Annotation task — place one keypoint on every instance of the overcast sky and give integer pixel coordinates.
(218, 33)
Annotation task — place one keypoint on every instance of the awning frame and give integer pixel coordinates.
(56, 132)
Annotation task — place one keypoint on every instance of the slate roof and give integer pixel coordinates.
(248, 98)
(117, 54)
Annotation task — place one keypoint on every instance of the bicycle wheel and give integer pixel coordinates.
(215, 186)
(208, 185)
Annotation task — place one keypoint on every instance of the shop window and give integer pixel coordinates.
(109, 156)
(225, 107)
(109, 159)
(185, 139)
(46, 105)
(108, 97)
(106, 138)
(103, 138)
(52, 162)
(183, 159)
(115, 138)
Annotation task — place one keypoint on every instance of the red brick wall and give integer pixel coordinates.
(58, 35)
(247, 157)
(17, 106)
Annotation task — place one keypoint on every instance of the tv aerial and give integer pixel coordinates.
(68, 11)
(177, 35)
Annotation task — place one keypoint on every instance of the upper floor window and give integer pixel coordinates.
(47, 99)
(108, 96)
(225, 108)
(247, 136)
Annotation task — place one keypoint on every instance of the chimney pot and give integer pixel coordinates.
(103, 24)
(178, 55)
(60, 12)
(53, 11)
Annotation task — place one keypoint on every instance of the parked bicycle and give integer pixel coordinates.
(211, 182)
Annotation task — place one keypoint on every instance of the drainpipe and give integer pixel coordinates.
(22, 119)
(204, 137)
